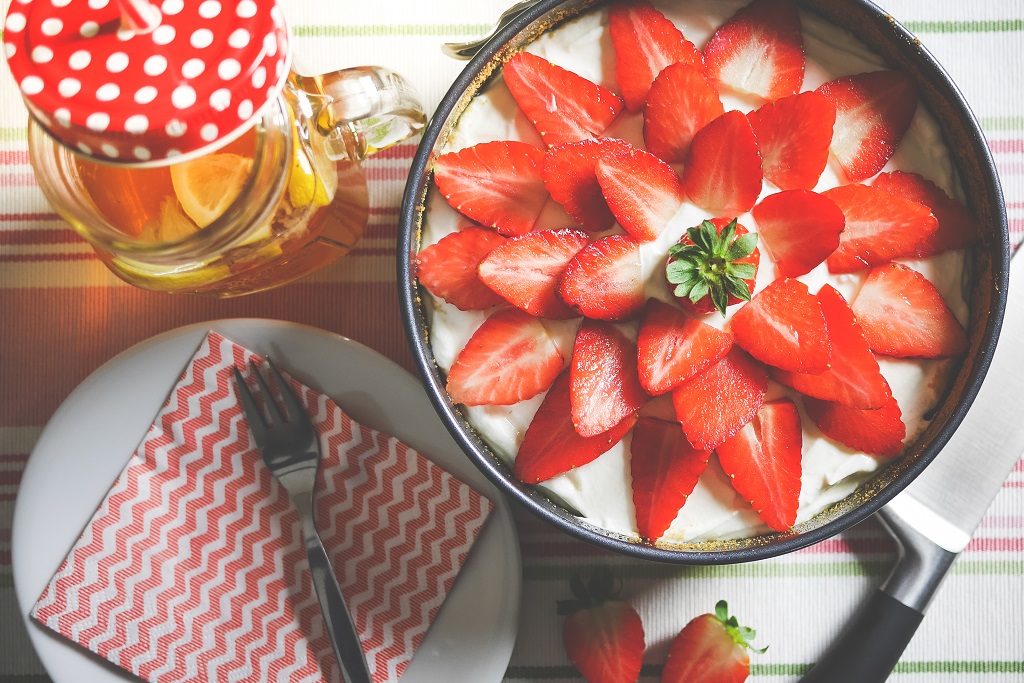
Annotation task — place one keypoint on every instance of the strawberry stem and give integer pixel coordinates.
(601, 587)
(741, 635)
(709, 265)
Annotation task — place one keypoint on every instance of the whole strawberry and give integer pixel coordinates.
(712, 648)
(603, 636)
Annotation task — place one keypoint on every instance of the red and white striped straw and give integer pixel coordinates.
(140, 16)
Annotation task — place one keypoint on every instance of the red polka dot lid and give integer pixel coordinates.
(131, 81)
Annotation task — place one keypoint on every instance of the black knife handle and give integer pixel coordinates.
(870, 646)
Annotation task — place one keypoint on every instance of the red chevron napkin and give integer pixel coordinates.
(193, 568)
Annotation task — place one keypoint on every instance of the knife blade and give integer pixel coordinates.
(934, 518)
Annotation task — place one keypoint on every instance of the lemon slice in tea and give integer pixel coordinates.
(306, 187)
(207, 186)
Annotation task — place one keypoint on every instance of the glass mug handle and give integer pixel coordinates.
(362, 110)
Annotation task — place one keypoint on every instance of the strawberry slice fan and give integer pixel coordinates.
(197, 564)
(717, 340)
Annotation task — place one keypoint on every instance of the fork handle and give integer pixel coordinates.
(340, 628)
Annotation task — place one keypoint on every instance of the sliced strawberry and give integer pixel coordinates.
(712, 648)
(783, 326)
(706, 305)
(497, 184)
(645, 42)
(793, 135)
(682, 101)
(763, 462)
(510, 358)
(723, 167)
(664, 469)
(604, 638)
(642, 191)
(570, 175)
(715, 404)
(799, 228)
(563, 106)
(551, 445)
(526, 270)
(873, 111)
(448, 268)
(879, 227)
(604, 280)
(854, 378)
(903, 315)
(876, 432)
(759, 51)
(604, 388)
(672, 347)
(957, 227)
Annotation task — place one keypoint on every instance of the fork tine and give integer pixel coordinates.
(296, 411)
(253, 414)
(273, 411)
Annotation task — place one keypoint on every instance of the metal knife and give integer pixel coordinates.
(934, 517)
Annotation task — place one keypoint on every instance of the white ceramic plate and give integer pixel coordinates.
(91, 436)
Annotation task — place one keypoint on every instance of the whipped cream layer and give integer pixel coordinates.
(601, 490)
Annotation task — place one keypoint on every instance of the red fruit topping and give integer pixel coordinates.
(563, 106)
(853, 378)
(723, 167)
(526, 270)
(551, 445)
(712, 648)
(763, 463)
(903, 315)
(604, 388)
(876, 432)
(681, 102)
(664, 469)
(715, 404)
(873, 111)
(799, 228)
(672, 347)
(642, 191)
(570, 175)
(879, 227)
(759, 51)
(783, 326)
(724, 280)
(448, 268)
(604, 280)
(793, 135)
(508, 359)
(603, 638)
(957, 227)
(497, 184)
(645, 43)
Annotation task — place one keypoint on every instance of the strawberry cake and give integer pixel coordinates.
(696, 269)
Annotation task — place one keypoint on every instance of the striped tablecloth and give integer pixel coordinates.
(62, 315)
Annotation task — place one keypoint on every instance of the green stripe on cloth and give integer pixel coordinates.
(390, 30)
(974, 26)
(1002, 122)
(5, 580)
(768, 570)
(12, 134)
(540, 673)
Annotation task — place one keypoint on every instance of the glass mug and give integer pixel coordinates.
(282, 199)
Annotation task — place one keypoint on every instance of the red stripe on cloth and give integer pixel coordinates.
(10, 477)
(13, 156)
(406, 151)
(28, 216)
(98, 322)
(40, 236)
(14, 457)
(1006, 146)
(33, 258)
